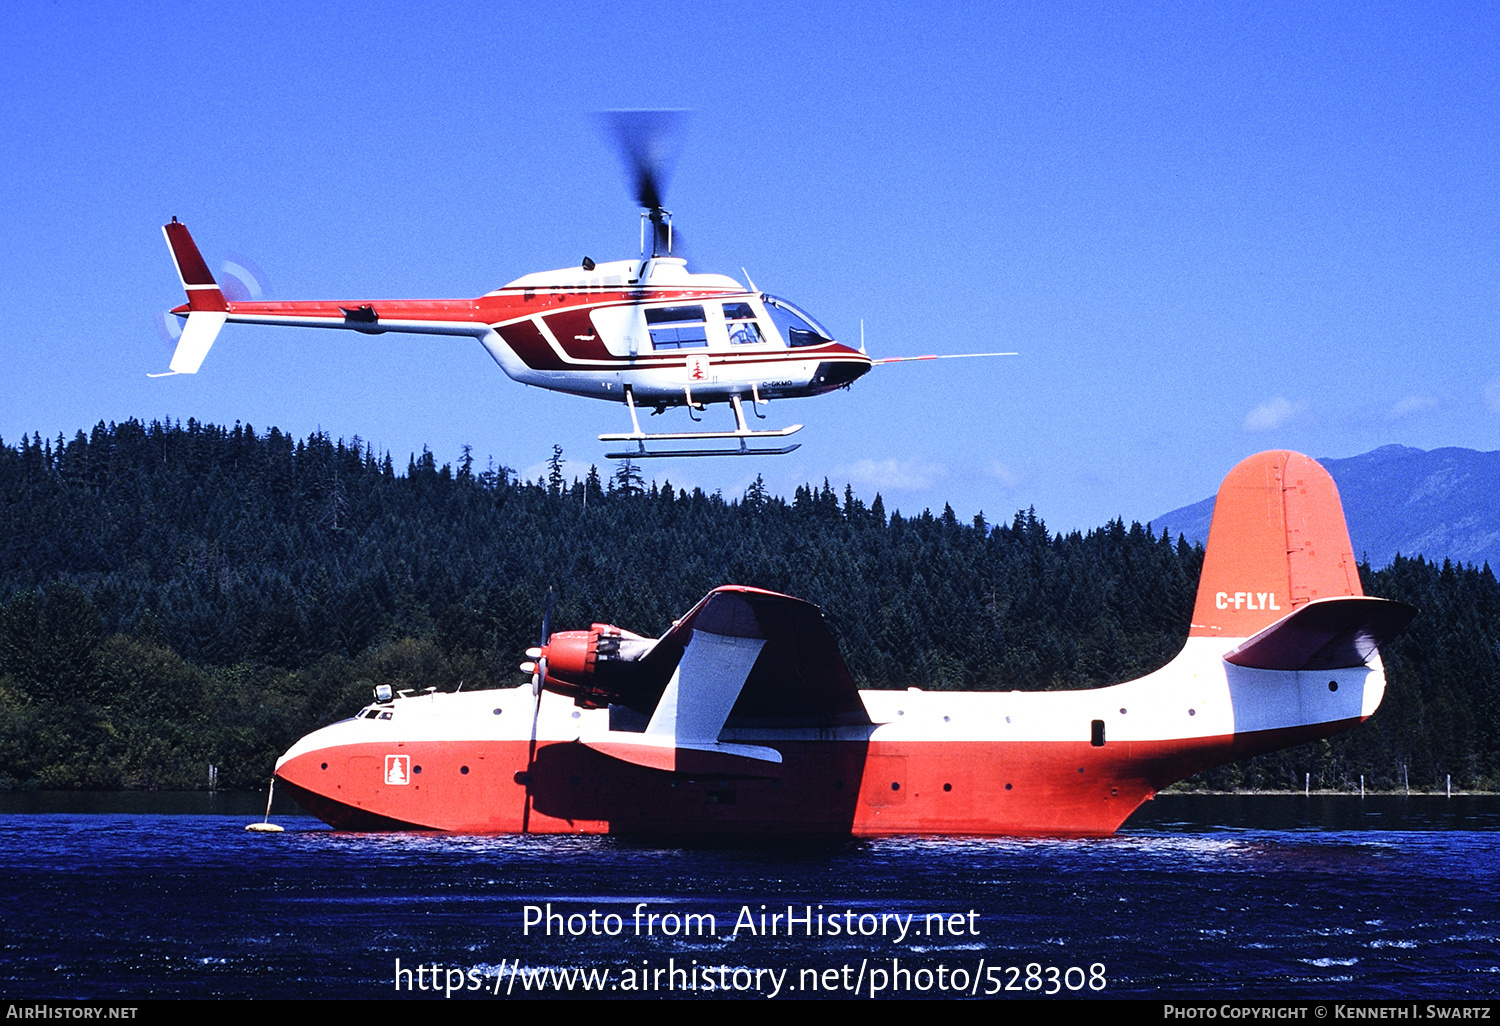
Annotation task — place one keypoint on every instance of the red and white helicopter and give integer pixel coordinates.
(644, 332)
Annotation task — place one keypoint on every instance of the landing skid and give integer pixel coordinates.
(741, 432)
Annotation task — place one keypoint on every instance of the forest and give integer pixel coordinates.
(178, 595)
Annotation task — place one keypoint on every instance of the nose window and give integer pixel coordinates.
(795, 326)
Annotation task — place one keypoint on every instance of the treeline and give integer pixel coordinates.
(177, 595)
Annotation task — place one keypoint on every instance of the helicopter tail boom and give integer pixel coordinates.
(207, 311)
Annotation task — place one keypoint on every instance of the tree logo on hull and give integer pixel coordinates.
(398, 769)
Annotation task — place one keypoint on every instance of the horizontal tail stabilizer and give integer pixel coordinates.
(1328, 634)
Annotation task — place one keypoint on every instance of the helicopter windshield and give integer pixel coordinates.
(795, 326)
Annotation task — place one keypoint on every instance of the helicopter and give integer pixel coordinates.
(644, 332)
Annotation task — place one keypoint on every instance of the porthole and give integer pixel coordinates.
(464, 770)
(1333, 685)
(947, 787)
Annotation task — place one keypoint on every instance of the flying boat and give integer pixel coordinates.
(645, 332)
(743, 719)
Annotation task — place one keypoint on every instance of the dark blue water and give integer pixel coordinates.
(1335, 899)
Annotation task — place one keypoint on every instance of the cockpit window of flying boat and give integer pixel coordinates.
(795, 326)
(739, 318)
(677, 327)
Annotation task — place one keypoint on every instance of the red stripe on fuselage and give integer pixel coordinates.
(575, 332)
(531, 346)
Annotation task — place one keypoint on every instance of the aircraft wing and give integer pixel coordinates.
(796, 676)
(746, 658)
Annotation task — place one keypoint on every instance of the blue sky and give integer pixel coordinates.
(1208, 229)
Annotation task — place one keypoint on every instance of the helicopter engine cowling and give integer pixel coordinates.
(596, 665)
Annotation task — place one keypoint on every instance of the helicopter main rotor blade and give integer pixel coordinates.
(648, 143)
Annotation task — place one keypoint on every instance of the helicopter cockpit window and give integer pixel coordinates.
(739, 318)
(677, 327)
(795, 326)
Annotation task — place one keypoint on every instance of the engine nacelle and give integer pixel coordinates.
(596, 665)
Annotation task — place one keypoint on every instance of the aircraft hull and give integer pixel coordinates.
(757, 728)
(854, 787)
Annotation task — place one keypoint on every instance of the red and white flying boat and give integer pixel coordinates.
(742, 719)
(644, 332)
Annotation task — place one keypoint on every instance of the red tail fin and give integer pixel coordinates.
(202, 291)
(1278, 541)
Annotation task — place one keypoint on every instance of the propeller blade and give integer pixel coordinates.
(539, 674)
(538, 679)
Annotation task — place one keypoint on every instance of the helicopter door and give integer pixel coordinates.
(740, 323)
(683, 328)
(622, 329)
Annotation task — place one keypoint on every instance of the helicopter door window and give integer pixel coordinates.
(739, 318)
(677, 327)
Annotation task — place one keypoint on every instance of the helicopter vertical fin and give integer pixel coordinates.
(202, 291)
(207, 308)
